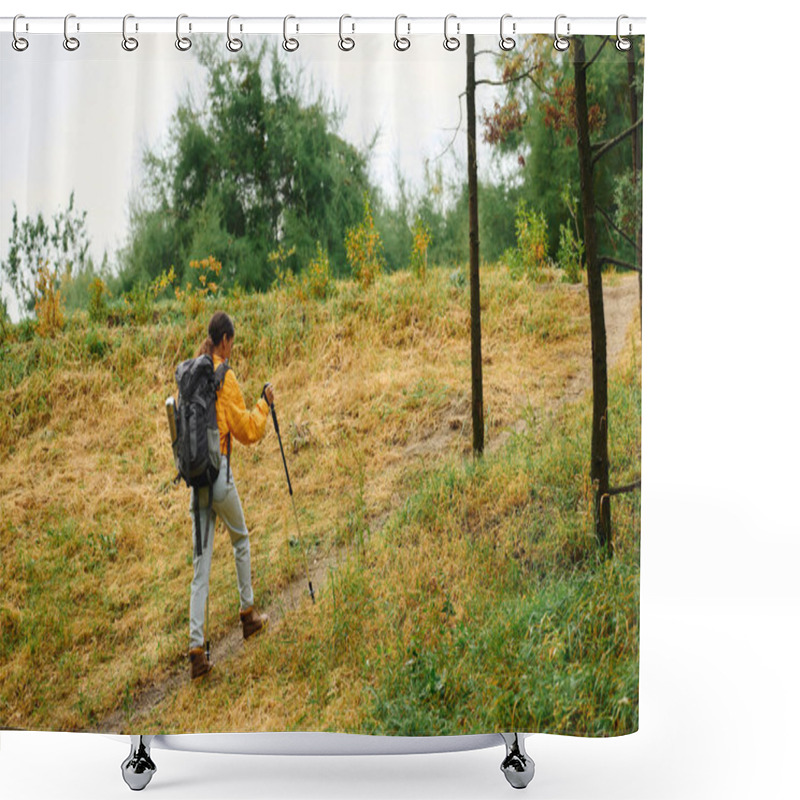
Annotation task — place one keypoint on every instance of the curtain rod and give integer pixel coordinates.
(567, 26)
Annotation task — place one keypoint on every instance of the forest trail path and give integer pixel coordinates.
(620, 306)
(621, 302)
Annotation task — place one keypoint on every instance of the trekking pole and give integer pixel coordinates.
(291, 493)
(208, 639)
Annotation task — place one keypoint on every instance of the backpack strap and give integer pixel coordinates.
(219, 375)
(210, 501)
(198, 544)
(219, 378)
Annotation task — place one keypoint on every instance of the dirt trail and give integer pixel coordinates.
(621, 301)
(296, 593)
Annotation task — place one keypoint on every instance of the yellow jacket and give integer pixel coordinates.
(245, 426)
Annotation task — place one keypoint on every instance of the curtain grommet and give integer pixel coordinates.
(290, 44)
(182, 43)
(507, 42)
(401, 43)
(19, 43)
(129, 43)
(233, 44)
(346, 43)
(561, 44)
(71, 43)
(451, 43)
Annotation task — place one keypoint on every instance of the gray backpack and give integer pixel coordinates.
(197, 447)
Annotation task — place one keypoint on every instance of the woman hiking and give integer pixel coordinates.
(248, 427)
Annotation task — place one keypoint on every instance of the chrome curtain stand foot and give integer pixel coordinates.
(518, 766)
(138, 768)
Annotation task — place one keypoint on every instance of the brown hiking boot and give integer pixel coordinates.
(200, 664)
(252, 622)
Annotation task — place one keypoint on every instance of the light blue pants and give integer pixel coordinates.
(227, 506)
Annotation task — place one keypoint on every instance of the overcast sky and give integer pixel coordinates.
(80, 121)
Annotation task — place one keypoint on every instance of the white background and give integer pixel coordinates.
(720, 690)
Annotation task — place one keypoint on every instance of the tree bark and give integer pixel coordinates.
(474, 257)
(599, 457)
(636, 155)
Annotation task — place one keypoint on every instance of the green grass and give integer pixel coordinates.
(549, 640)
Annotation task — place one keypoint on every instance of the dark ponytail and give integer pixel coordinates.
(220, 325)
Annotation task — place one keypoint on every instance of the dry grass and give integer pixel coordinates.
(372, 393)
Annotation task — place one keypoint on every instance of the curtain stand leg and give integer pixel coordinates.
(138, 768)
(518, 766)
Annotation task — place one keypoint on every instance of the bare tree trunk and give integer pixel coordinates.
(636, 153)
(474, 257)
(599, 463)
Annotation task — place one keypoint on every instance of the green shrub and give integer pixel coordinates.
(530, 253)
(280, 260)
(570, 254)
(317, 279)
(5, 321)
(98, 307)
(419, 250)
(203, 284)
(365, 249)
(49, 306)
(139, 304)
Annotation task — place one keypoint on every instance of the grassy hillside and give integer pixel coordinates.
(457, 597)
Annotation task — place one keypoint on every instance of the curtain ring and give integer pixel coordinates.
(401, 43)
(290, 44)
(234, 45)
(451, 43)
(506, 42)
(70, 42)
(560, 43)
(623, 44)
(18, 43)
(183, 43)
(345, 43)
(128, 42)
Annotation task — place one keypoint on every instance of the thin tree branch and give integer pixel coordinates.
(456, 129)
(529, 74)
(591, 61)
(623, 489)
(605, 147)
(516, 78)
(619, 230)
(621, 264)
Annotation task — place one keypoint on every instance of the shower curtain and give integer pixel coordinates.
(430, 247)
